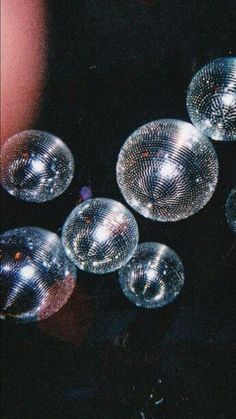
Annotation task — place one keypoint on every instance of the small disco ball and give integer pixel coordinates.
(153, 277)
(211, 99)
(167, 170)
(100, 235)
(36, 166)
(230, 210)
(37, 278)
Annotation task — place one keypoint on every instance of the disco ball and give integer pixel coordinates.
(37, 278)
(153, 277)
(167, 170)
(230, 210)
(36, 166)
(211, 99)
(100, 235)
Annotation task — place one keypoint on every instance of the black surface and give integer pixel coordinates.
(114, 65)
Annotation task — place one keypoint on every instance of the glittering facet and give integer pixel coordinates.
(230, 210)
(100, 235)
(37, 278)
(153, 277)
(211, 99)
(36, 166)
(167, 170)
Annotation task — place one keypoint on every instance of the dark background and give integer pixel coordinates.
(114, 65)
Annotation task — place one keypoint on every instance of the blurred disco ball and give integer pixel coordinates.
(211, 99)
(230, 210)
(36, 166)
(167, 170)
(153, 277)
(100, 235)
(37, 278)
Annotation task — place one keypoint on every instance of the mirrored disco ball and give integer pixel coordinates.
(100, 235)
(37, 278)
(153, 277)
(36, 166)
(230, 210)
(211, 99)
(167, 170)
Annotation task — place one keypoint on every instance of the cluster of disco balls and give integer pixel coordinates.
(167, 170)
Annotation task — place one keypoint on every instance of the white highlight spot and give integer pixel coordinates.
(37, 165)
(27, 271)
(101, 234)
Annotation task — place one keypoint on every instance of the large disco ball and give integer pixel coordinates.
(37, 278)
(36, 166)
(211, 99)
(100, 235)
(167, 170)
(153, 277)
(230, 210)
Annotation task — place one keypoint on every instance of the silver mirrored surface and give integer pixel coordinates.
(230, 210)
(36, 166)
(153, 277)
(37, 278)
(167, 170)
(100, 235)
(211, 99)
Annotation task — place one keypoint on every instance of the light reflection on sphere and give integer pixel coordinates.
(167, 170)
(36, 166)
(230, 210)
(100, 235)
(153, 277)
(211, 99)
(37, 278)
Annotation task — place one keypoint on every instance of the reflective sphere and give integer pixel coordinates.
(100, 235)
(211, 99)
(37, 278)
(153, 277)
(230, 210)
(36, 166)
(167, 170)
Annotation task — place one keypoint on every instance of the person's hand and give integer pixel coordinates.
(23, 63)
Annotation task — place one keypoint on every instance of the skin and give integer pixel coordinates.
(23, 63)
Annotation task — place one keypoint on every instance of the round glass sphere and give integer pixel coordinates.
(100, 235)
(230, 210)
(36, 166)
(167, 170)
(37, 278)
(211, 99)
(153, 277)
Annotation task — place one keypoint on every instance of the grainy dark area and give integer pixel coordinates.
(114, 65)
